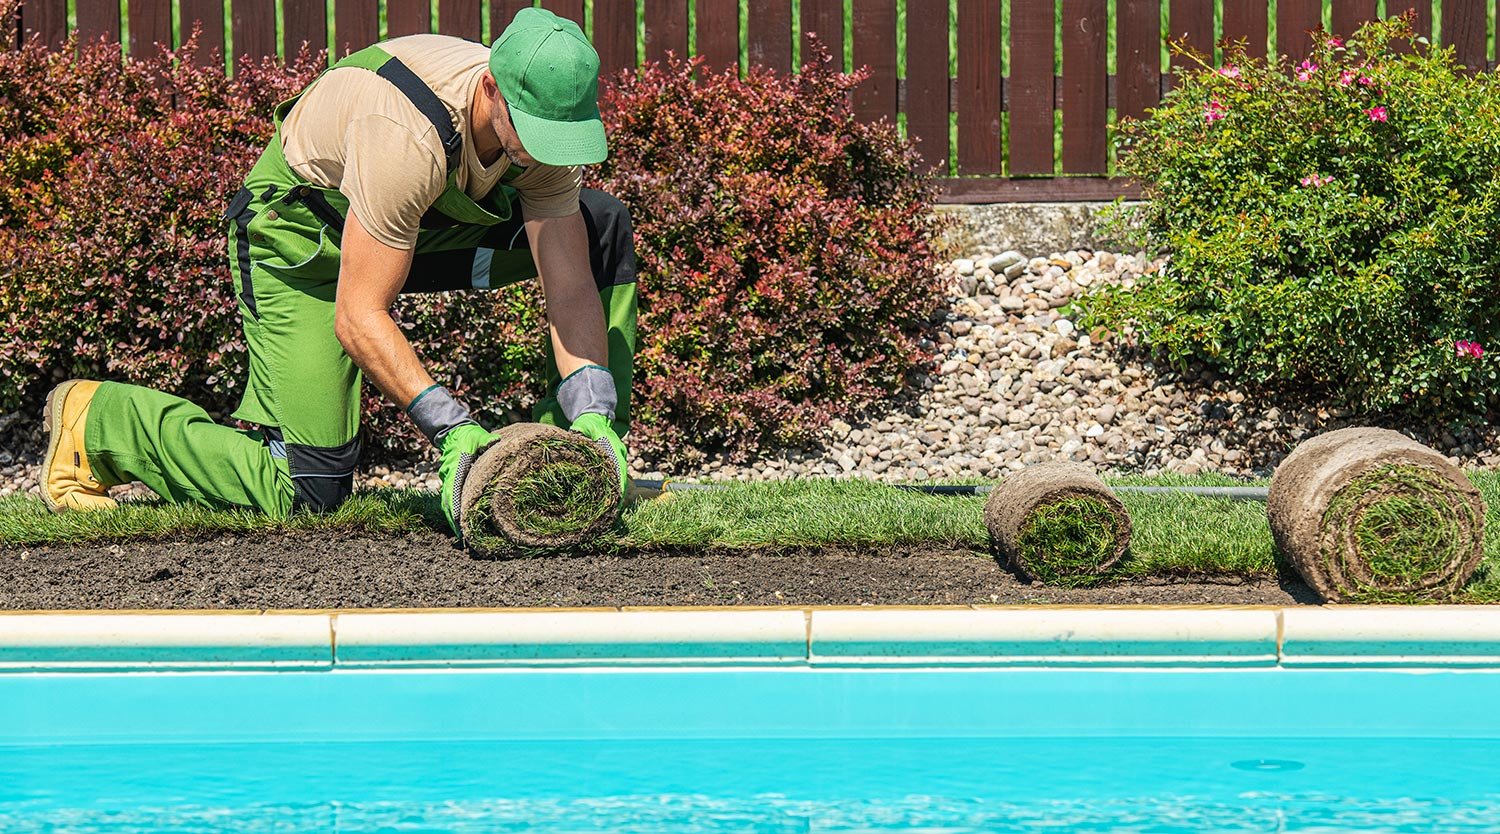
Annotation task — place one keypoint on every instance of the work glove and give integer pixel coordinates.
(597, 428)
(460, 445)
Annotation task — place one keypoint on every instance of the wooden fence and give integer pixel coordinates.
(1033, 126)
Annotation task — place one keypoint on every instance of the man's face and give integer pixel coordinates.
(510, 143)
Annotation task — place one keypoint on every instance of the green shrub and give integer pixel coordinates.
(1332, 226)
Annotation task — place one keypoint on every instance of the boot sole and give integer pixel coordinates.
(52, 417)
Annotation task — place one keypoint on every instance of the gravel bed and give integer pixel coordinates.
(1017, 382)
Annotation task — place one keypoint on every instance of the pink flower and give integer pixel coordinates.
(1315, 181)
(1378, 114)
(1230, 72)
(1305, 70)
(1366, 81)
(1336, 43)
(1464, 347)
(1214, 111)
(1347, 77)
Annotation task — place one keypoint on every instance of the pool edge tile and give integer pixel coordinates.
(1384, 636)
(1017, 637)
(575, 637)
(151, 642)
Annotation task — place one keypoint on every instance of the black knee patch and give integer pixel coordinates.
(322, 476)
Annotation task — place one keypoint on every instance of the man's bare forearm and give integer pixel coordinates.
(371, 275)
(575, 314)
(382, 351)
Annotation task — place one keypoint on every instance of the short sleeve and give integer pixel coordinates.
(391, 177)
(549, 190)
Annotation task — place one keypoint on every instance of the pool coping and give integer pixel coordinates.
(1454, 637)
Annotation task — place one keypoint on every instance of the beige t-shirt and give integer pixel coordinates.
(354, 131)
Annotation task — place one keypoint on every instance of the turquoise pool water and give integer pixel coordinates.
(789, 750)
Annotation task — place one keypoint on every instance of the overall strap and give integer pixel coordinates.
(421, 96)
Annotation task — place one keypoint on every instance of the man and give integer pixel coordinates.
(423, 163)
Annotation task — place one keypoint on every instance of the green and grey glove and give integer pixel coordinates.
(588, 400)
(459, 441)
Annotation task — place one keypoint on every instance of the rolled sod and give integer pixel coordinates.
(538, 488)
(1370, 515)
(1058, 523)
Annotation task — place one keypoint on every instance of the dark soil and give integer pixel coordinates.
(308, 569)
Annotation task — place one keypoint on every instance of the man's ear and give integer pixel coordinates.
(491, 89)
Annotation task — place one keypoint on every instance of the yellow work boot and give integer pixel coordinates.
(67, 481)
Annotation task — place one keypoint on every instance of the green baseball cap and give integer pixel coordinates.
(549, 74)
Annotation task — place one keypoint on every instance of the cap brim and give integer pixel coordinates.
(560, 143)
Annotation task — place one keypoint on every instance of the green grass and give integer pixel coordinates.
(1065, 542)
(1173, 535)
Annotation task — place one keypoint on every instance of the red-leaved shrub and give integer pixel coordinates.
(113, 263)
(784, 251)
(783, 248)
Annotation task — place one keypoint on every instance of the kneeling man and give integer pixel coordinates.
(421, 164)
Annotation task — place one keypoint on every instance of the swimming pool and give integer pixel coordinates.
(1023, 719)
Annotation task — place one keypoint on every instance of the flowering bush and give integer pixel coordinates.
(784, 253)
(1333, 225)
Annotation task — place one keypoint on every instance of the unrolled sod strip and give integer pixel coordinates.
(1058, 523)
(1370, 515)
(538, 488)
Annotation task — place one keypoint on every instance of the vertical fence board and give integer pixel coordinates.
(47, 18)
(1031, 88)
(1248, 20)
(302, 21)
(1349, 14)
(150, 26)
(356, 24)
(1190, 24)
(98, 19)
(666, 28)
(824, 18)
(927, 85)
(874, 26)
(503, 11)
(769, 40)
(614, 35)
(407, 17)
(718, 24)
(1085, 78)
(209, 16)
(461, 19)
(1294, 19)
(1137, 57)
(979, 86)
(571, 9)
(1422, 22)
(254, 23)
(1466, 29)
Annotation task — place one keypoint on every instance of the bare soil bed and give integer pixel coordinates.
(320, 569)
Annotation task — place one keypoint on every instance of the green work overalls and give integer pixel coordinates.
(303, 389)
